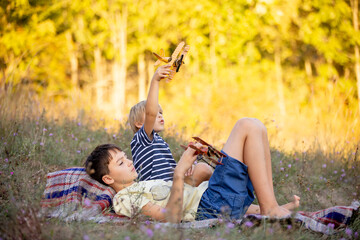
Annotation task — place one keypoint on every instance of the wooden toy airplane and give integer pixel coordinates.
(176, 59)
(206, 152)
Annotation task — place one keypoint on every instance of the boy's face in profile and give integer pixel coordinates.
(121, 169)
(159, 124)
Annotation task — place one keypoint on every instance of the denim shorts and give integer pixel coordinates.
(230, 191)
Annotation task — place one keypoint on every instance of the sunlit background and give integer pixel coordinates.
(292, 64)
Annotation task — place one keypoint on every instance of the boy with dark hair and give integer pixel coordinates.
(247, 166)
(103, 157)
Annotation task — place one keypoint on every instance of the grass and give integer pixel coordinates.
(34, 143)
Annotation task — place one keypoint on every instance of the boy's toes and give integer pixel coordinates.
(296, 201)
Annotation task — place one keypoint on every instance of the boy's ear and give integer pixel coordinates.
(138, 124)
(108, 180)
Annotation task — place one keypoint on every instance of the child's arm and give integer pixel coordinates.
(152, 102)
(173, 210)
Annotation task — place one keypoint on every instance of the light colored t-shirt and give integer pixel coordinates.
(129, 201)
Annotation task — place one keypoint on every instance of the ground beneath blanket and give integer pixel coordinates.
(34, 228)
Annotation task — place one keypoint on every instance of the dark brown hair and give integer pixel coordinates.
(97, 162)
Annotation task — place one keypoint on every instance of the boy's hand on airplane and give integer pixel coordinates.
(186, 161)
(162, 72)
(190, 171)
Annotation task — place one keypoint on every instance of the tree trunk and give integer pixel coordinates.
(100, 78)
(213, 60)
(141, 62)
(142, 77)
(150, 72)
(74, 64)
(8, 72)
(355, 11)
(3, 79)
(309, 75)
(308, 68)
(119, 41)
(279, 82)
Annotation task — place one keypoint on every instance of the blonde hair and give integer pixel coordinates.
(136, 115)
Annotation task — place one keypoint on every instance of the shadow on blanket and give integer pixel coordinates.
(71, 194)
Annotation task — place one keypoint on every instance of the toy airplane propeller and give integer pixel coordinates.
(206, 152)
(176, 59)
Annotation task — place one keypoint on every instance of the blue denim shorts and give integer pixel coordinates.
(230, 191)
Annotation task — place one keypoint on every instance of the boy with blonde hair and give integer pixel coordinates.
(151, 154)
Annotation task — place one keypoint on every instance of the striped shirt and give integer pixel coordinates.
(152, 159)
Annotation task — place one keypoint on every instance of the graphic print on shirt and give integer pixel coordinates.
(160, 192)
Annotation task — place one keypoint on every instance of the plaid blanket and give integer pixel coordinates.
(71, 194)
(327, 221)
(330, 219)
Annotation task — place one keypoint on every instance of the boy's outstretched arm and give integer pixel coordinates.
(152, 102)
(173, 210)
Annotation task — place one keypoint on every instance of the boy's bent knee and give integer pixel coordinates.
(261, 125)
(203, 170)
(249, 124)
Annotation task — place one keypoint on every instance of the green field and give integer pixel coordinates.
(34, 144)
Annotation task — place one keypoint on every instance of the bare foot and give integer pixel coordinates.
(293, 204)
(276, 212)
(255, 209)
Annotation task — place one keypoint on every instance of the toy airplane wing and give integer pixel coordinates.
(202, 153)
(176, 53)
(161, 57)
(206, 152)
(183, 55)
(216, 152)
(197, 150)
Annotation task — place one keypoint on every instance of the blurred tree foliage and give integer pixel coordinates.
(272, 59)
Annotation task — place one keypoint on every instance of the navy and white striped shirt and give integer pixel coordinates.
(152, 159)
